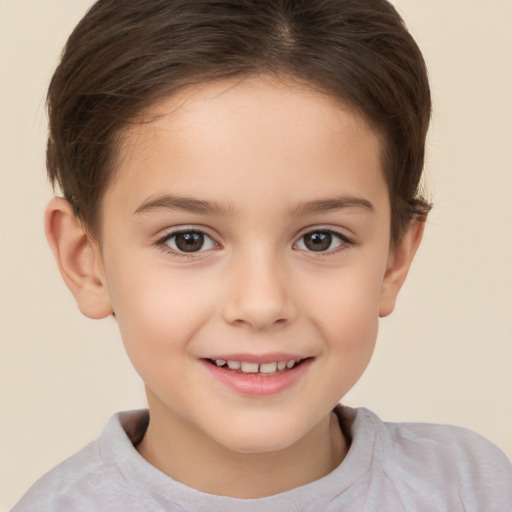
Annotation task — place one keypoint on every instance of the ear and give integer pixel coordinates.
(401, 255)
(78, 258)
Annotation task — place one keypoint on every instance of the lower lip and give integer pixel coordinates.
(254, 384)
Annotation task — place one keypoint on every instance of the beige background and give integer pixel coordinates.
(444, 356)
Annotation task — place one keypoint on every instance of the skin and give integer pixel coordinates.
(275, 162)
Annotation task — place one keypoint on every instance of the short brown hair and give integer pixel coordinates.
(125, 55)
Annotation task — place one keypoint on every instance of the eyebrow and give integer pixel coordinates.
(188, 204)
(331, 204)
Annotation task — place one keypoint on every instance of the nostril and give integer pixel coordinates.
(260, 323)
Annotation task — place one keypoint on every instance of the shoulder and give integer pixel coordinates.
(67, 485)
(467, 467)
(85, 481)
(449, 447)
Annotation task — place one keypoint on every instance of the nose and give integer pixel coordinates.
(259, 295)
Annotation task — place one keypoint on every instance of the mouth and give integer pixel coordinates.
(258, 375)
(266, 369)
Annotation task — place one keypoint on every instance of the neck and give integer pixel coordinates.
(200, 463)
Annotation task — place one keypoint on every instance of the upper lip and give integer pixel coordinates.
(258, 358)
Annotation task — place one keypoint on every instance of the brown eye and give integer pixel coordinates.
(321, 241)
(189, 241)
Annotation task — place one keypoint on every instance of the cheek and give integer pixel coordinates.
(345, 311)
(158, 311)
(349, 296)
(350, 334)
(156, 324)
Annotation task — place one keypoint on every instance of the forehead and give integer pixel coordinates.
(258, 135)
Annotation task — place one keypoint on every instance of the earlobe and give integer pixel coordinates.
(400, 259)
(78, 259)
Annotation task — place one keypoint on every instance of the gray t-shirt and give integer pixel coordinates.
(390, 467)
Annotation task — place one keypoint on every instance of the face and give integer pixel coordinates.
(245, 242)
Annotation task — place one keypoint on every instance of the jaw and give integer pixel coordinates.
(250, 468)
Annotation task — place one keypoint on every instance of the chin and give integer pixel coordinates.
(258, 445)
(261, 436)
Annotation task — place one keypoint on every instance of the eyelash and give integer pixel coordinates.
(163, 243)
(344, 242)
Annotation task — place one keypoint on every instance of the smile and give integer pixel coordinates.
(270, 368)
(258, 378)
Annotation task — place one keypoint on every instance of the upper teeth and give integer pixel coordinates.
(249, 367)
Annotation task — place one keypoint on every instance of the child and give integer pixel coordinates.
(240, 184)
